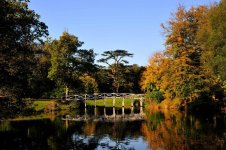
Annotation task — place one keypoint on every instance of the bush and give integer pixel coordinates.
(58, 92)
(157, 96)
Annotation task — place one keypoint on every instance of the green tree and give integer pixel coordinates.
(115, 61)
(20, 30)
(212, 37)
(68, 62)
(39, 83)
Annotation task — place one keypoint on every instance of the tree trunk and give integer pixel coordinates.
(66, 91)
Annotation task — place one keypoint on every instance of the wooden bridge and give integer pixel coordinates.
(104, 96)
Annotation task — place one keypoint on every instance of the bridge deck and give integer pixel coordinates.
(97, 96)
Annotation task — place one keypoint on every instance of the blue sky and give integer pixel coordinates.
(132, 25)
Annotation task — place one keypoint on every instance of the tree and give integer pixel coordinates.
(115, 61)
(20, 30)
(103, 80)
(155, 79)
(40, 86)
(68, 62)
(132, 75)
(212, 37)
(89, 84)
(189, 78)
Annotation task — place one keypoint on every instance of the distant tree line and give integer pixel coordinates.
(193, 64)
(34, 65)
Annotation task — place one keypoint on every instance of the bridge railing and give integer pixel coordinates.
(97, 96)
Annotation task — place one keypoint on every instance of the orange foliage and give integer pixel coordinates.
(178, 70)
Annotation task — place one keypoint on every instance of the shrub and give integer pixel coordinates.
(157, 96)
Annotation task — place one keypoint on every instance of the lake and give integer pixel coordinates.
(167, 130)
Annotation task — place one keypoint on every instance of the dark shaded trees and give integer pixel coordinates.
(132, 75)
(20, 30)
(103, 80)
(39, 83)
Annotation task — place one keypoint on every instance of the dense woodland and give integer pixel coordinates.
(191, 67)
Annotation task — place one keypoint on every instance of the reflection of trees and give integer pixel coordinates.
(5, 126)
(89, 128)
(119, 129)
(178, 131)
(154, 120)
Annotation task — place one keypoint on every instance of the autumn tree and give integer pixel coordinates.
(179, 71)
(20, 30)
(189, 80)
(155, 77)
(115, 61)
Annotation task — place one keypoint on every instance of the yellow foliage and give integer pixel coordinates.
(89, 83)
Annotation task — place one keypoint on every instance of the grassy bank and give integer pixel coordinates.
(45, 105)
(109, 103)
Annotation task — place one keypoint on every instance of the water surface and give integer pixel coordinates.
(160, 130)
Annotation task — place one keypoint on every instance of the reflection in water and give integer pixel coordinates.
(180, 131)
(160, 130)
(109, 114)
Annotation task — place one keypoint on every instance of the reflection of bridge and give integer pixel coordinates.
(109, 118)
(104, 96)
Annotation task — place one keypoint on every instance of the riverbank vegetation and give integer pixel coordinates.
(192, 67)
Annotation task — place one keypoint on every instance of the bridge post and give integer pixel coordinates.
(95, 112)
(141, 106)
(141, 110)
(132, 100)
(113, 112)
(123, 112)
(104, 111)
(95, 100)
(113, 102)
(123, 99)
(141, 102)
(104, 101)
(85, 100)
